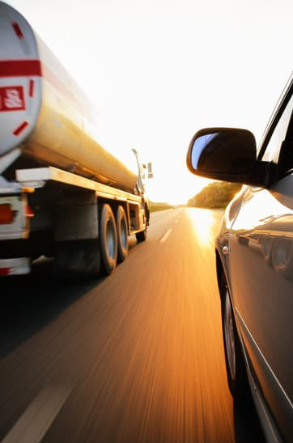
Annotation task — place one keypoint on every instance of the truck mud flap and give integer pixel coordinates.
(77, 259)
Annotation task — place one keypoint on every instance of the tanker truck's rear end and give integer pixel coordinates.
(62, 194)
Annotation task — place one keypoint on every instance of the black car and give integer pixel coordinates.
(254, 260)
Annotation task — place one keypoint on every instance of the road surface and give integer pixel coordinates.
(134, 357)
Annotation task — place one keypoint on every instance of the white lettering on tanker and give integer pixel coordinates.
(12, 98)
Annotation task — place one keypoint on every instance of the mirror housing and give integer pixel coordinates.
(150, 170)
(226, 154)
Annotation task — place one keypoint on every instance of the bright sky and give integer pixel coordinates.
(159, 70)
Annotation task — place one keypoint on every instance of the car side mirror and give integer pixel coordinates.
(226, 154)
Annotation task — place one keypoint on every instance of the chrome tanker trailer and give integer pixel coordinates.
(62, 194)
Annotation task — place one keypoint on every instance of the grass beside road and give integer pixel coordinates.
(159, 206)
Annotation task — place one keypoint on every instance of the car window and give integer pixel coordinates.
(272, 152)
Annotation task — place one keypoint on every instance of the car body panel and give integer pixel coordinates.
(259, 268)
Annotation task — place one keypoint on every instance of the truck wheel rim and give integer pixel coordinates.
(110, 240)
(123, 234)
(230, 337)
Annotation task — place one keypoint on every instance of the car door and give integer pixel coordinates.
(261, 270)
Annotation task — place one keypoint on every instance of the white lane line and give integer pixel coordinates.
(165, 236)
(38, 417)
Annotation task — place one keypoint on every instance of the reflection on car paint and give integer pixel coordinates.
(276, 252)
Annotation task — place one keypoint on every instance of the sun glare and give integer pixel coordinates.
(174, 190)
(203, 222)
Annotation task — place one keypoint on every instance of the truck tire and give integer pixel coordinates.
(108, 239)
(122, 234)
(141, 236)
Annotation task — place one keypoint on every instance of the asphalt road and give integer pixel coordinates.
(134, 357)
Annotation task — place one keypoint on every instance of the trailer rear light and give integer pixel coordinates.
(14, 266)
(29, 212)
(4, 271)
(6, 214)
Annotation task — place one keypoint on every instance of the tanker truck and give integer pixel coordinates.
(62, 194)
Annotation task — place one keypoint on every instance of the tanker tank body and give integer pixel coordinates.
(45, 114)
(62, 194)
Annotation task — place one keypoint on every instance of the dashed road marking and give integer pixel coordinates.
(38, 417)
(165, 236)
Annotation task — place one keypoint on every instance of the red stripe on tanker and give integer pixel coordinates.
(31, 88)
(20, 68)
(17, 30)
(20, 128)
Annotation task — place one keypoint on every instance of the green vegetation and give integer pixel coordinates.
(215, 195)
(159, 206)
